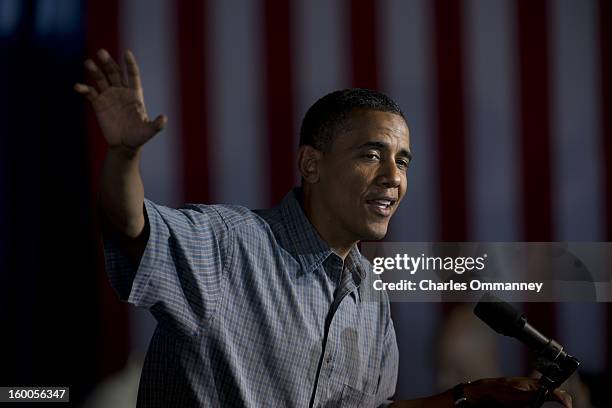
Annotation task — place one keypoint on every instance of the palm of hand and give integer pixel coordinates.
(122, 117)
(118, 102)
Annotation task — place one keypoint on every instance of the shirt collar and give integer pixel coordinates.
(306, 244)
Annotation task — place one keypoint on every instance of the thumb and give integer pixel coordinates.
(158, 123)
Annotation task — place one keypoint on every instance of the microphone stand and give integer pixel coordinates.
(556, 367)
(552, 361)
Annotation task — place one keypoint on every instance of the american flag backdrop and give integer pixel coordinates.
(508, 103)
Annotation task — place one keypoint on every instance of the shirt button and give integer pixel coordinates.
(328, 359)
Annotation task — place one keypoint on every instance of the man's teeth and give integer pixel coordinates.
(384, 203)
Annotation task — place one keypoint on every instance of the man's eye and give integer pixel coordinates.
(372, 156)
(402, 164)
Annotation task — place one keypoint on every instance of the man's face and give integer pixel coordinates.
(362, 178)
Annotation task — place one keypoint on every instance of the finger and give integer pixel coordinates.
(159, 122)
(97, 75)
(88, 91)
(563, 397)
(133, 71)
(110, 67)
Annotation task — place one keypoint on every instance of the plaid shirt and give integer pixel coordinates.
(254, 310)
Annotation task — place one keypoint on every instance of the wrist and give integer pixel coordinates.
(124, 152)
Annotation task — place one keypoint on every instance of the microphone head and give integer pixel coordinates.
(499, 315)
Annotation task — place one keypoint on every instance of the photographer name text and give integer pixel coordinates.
(458, 265)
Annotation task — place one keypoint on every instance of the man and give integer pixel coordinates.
(273, 307)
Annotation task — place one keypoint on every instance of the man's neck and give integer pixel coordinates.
(341, 247)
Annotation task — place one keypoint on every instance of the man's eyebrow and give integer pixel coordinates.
(384, 145)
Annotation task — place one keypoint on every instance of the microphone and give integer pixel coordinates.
(505, 319)
(555, 364)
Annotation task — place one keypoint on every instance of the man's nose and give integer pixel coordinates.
(390, 175)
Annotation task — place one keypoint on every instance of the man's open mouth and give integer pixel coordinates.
(384, 203)
(381, 206)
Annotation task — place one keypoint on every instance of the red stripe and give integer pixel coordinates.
(363, 43)
(193, 109)
(535, 119)
(605, 38)
(450, 119)
(103, 32)
(535, 136)
(279, 96)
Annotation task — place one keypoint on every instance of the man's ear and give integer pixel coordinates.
(308, 163)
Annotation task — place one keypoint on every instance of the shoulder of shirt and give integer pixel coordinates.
(233, 216)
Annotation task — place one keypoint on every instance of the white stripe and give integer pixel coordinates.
(492, 155)
(405, 66)
(321, 45)
(320, 53)
(577, 160)
(582, 333)
(147, 28)
(237, 143)
(143, 23)
(577, 156)
(491, 140)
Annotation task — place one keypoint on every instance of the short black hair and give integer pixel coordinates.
(327, 115)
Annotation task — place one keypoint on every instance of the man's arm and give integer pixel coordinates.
(121, 203)
(122, 191)
(119, 105)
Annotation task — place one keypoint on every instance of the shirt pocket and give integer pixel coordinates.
(352, 397)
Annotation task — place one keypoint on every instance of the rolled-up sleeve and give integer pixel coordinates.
(181, 273)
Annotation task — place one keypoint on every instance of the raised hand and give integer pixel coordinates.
(118, 102)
